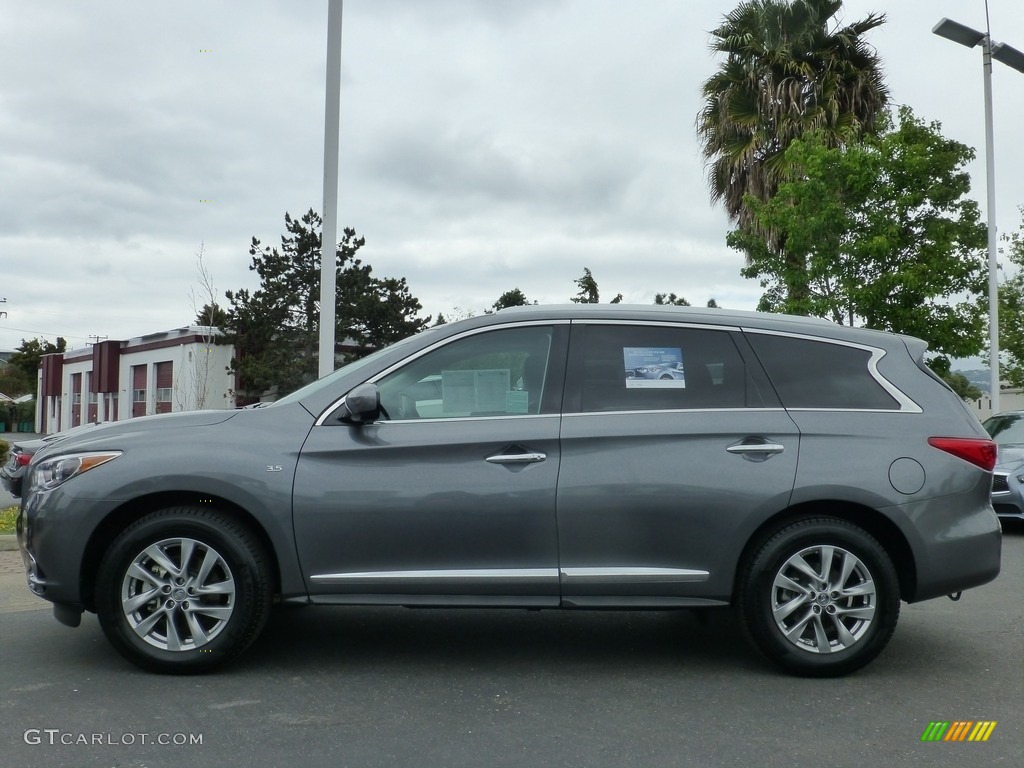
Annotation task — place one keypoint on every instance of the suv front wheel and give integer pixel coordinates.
(183, 590)
(820, 598)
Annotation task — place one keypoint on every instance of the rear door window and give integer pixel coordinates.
(625, 367)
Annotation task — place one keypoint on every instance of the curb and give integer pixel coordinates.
(8, 542)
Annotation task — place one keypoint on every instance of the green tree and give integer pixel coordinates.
(23, 365)
(957, 381)
(884, 232)
(275, 328)
(1011, 311)
(513, 298)
(788, 70)
(588, 293)
(14, 382)
(212, 315)
(670, 298)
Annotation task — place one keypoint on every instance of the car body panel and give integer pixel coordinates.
(659, 490)
(249, 447)
(420, 500)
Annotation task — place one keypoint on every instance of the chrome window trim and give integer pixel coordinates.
(583, 575)
(463, 419)
(877, 353)
(517, 574)
(660, 324)
(643, 411)
(448, 340)
(733, 410)
(911, 411)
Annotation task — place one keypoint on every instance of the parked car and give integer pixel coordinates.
(809, 475)
(1007, 429)
(13, 471)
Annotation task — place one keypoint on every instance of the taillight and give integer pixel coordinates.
(980, 451)
(23, 459)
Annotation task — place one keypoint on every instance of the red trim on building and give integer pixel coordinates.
(106, 358)
(76, 399)
(164, 386)
(139, 382)
(53, 370)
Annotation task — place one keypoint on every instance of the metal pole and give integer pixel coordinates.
(993, 271)
(329, 234)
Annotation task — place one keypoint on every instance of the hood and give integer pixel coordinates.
(102, 433)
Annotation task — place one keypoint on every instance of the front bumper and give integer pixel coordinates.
(11, 479)
(1007, 495)
(53, 530)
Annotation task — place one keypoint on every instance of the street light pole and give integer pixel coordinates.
(959, 33)
(329, 232)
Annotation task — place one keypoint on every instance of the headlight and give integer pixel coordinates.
(50, 473)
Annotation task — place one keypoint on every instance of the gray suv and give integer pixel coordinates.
(810, 476)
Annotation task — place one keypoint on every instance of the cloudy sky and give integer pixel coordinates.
(485, 145)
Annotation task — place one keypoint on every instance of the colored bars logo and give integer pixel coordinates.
(958, 730)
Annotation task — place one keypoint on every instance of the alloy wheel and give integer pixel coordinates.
(823, 599)
(178, 594)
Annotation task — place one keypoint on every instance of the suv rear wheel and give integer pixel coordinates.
(820, 598)
(183, 590)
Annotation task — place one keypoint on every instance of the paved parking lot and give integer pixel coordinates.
(396, 687)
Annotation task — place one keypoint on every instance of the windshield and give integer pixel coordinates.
(1006, 429)
(345, 370)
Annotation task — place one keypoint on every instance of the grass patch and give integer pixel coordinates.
(7, 518)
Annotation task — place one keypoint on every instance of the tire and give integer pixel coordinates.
(813, 626)
(166, 615)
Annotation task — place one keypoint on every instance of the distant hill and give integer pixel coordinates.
(979, 377)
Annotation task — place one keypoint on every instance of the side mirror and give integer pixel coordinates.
(361, 406)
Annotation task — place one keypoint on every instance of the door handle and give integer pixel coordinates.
(763, 449)
(517, 458)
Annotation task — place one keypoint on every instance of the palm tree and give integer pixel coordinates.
(787, 72)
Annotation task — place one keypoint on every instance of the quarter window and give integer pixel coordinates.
(818, 374)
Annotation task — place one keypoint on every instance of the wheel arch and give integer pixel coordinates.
(877, 525)
(123, 516)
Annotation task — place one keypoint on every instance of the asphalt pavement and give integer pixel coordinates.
(384, 687)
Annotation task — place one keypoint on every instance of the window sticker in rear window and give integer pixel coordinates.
(653, 367)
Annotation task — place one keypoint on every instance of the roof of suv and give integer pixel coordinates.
(812, 326)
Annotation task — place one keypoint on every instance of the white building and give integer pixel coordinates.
(1009, 400)
(179, 370)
